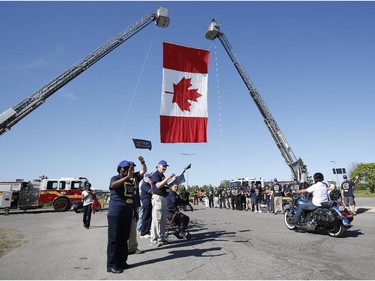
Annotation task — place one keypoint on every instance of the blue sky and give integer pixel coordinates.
(312, 63)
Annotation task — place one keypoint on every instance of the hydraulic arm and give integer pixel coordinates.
(212, 32)
(13, 115)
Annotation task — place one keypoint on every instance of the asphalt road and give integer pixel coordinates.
(225, 244)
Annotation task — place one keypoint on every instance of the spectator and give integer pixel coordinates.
(347, 192)
(294, 186)
(228, 196)
(268, 198)
(331, 186)
(159, 203)
(233, 198)
(277, 192)
(137, 177)
(196, 197)
(173, 201)
(248, 198)
(87, 199)
(146, 195)
(122, 207)
(216, 198)
(210, 199)
(222, 199)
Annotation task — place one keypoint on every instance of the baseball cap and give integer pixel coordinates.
(131, 163)
(147, 175)
(345, 176)
(275, 179)
(163, 163)
(329, 180)
(124, 164)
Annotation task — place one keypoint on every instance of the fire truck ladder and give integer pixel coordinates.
(212, 32)
(13, 115)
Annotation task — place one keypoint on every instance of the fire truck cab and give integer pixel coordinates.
(61, 193)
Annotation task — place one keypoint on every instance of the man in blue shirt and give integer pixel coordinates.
(347, 187)
(159, 203)
(277, 192)
(146, 195)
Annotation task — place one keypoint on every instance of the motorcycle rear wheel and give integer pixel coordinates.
(338, 230)
(288, 216)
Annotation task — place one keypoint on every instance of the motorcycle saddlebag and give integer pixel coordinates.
(324, 215)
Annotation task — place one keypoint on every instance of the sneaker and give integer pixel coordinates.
(146, 236)
(156, 243)
(255, 211)
(260, 211)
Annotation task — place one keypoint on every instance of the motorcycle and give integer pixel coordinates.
(332, 217)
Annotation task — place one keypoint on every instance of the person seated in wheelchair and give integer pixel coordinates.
(180, 220)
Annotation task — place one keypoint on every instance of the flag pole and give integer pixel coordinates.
(186, 169)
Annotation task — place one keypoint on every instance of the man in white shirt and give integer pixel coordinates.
(87, 205)
(320, 194)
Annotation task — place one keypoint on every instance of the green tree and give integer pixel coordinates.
(366, 173)
(303, 166)
(224, 184)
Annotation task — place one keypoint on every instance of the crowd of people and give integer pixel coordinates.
(270, 198)
(253, 197)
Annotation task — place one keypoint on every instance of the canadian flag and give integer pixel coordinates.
(183, 111)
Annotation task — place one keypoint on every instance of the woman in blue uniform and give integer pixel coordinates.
(120, 213)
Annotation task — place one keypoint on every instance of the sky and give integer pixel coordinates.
(312, 63)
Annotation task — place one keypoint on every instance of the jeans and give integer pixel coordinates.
(87, 215)
(308, 206)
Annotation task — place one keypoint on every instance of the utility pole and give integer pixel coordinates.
(337, 176)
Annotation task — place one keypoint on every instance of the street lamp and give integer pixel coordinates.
(187, 172)
(337, 176)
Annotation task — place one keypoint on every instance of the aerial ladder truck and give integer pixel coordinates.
(13, 115)
(213, 32)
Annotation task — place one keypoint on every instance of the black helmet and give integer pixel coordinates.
(318, 177)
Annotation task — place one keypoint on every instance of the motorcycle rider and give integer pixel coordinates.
(319, 192)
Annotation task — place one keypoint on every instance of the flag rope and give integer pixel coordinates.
(221, 144)
(130, 105)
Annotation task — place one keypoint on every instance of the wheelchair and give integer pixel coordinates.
(177, 223)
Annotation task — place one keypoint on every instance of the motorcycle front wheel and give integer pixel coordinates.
(288, 219)
(337, 230)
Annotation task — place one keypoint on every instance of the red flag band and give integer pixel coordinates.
(183, 110)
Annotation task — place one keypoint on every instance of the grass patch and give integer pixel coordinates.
(11, 239)
(363, 193)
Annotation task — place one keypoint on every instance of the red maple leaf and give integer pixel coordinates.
(182, 95)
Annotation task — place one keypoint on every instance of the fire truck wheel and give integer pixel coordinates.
(61, 205)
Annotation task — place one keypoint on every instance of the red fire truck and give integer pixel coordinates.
(61, 193)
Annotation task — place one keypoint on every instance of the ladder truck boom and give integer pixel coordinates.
(13, 115)
(212, 32)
